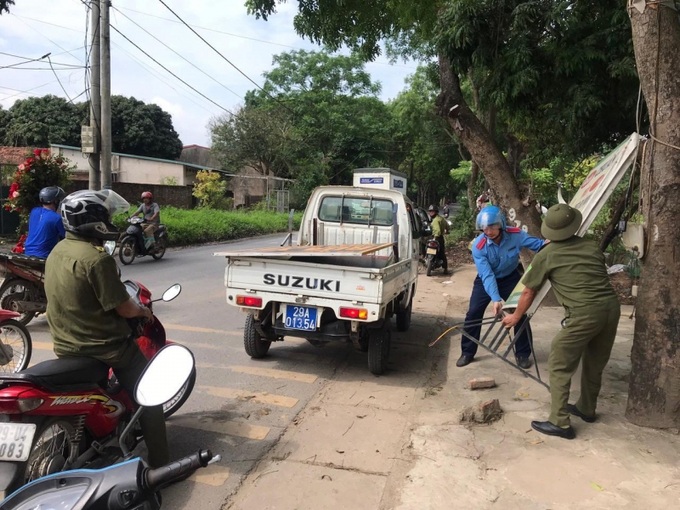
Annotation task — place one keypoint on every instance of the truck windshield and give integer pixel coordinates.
(358, 210)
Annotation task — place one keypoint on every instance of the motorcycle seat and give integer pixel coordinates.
(65, 374)
(25, 260)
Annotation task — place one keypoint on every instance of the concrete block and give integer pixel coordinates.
(480, 383)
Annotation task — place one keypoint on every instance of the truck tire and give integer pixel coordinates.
(378, 350)
(404, 317)
(255, 346)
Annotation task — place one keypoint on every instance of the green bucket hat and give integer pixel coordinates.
(561, 222)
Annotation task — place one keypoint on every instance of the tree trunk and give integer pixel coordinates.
(472, 183)
(483, 150)
(654, 392)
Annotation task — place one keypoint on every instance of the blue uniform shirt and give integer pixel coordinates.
(500, 260)
(45, 230)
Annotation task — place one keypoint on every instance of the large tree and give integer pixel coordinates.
(4, 5)
(506, 48)
(654, 395)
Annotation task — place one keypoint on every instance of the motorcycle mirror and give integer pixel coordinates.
(172, 292)
(165, 375)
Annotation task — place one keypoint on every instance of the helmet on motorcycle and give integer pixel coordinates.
(88, 213)
(51, 195)
(433, 208)
(490, 215)
(147, 194)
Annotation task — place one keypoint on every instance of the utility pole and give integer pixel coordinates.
(95, 100)
(105, 95)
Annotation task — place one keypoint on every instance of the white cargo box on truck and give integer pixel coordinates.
(355, 265)
(380, 178)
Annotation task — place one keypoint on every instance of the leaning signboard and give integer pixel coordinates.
(589, 199)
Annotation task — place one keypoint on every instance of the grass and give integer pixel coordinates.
(196, 226)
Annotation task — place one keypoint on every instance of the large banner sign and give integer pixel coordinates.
(589, 199)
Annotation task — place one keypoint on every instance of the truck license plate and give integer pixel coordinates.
(431, 251)
(300, 317)
(16, 440)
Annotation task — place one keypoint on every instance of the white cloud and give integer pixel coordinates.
(36, 27)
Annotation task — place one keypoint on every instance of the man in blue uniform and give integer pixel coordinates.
(496, 254)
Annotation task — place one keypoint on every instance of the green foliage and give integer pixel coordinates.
(210, 189)
(169, 180)
(39, 170)
(205, 225)
(463, 224)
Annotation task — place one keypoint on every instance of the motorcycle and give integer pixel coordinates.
(23, 288)
(132, 242)
(15, 343)
(432, 259)
(70, 413)
(130, 484)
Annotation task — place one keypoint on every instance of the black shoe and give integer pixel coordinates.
(545, 427)
(523, 362)
(464, 360)
(445, 272)
(572, 409)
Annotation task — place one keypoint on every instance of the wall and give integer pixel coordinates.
(176, 196)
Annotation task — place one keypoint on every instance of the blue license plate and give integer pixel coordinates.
(300, 317)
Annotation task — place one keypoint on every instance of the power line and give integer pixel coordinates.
(29, 59)
(179, 55)
(169, 71)
(57, 77)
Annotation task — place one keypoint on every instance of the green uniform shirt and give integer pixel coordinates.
(83, 290)
(576, 270)
(439, 226)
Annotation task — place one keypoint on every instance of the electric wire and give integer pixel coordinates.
(57, 77)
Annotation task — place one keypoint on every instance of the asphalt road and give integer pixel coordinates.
(239, 406)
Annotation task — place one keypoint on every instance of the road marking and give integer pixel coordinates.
(262, 398)
(212, 475)
(276, 374)
(196, 329)
(230, 428)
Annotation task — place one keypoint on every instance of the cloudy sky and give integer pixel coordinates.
(37, 27)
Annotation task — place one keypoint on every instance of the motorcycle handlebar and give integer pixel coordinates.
(158, 478)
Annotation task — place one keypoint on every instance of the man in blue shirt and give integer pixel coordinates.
(496, 254)
(45, 228)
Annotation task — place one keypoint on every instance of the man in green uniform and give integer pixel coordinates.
(439, 227)
(87, 304)
(576, 270)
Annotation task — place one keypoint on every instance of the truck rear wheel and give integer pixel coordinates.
(255, 346)
(378, 350)
(404, 317)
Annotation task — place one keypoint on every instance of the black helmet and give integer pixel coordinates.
(51, 195)
(89, 212)
(433, 208)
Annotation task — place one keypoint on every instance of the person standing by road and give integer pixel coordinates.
(576, 269)
(496, 254)
(439, 228)
(45, 228)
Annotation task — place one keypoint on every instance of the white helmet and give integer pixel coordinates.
(88, 213)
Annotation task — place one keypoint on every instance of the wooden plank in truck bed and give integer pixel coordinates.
(308, 251)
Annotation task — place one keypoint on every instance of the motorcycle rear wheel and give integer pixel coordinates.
(127, 250)
(11, 292)
(51, 449)
(159, 249)
(173, 405)
(430, 265)
(15, 347)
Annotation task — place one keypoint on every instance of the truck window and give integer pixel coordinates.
(355, 210)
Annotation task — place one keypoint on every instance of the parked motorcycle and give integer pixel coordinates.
(130, 484)
(432, 259)
(23, 290)
(132, 242)
(15, 343)
(69, 413)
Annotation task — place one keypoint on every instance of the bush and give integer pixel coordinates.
(204, 225)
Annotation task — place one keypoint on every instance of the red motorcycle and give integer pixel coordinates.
(23, 288)
(70, 413)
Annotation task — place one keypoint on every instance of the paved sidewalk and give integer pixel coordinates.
(396, 441)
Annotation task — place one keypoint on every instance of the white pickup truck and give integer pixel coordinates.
(354, 266)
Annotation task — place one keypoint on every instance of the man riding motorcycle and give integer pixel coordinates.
(45, 228)
(87, 304)
(151, 212)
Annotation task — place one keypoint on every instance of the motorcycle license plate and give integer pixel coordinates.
(16, 440)
(431, 251)
(300, 317)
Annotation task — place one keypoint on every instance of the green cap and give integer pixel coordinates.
(561, 222)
